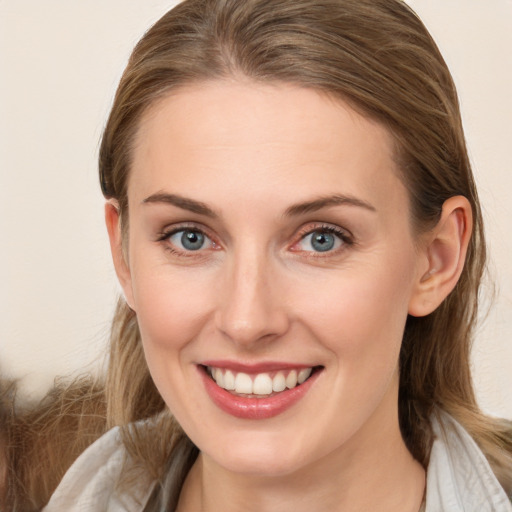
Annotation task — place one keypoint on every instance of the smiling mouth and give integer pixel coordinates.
(259, 385)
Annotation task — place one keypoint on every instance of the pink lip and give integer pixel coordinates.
(254, 408)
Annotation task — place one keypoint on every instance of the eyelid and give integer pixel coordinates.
(164, 235)
(343, 234)
(171, 229)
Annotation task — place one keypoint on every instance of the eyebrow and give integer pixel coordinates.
(201, 208)
(181, 202)
(325, 202)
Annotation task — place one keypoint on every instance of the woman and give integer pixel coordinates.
(296, 229)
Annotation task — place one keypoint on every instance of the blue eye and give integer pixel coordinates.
(321, 240)
(190, 240)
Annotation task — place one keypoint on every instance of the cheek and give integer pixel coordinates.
(171, 307)
(359, 313)
(359, 318)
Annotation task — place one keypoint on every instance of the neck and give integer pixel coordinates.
(373, 471)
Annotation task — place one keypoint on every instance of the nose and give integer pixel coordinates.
(252, 304)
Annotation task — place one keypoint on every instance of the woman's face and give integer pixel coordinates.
(269, 240)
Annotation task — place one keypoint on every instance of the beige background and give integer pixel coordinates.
(59, 65)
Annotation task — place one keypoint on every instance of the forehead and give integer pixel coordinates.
(236, 136)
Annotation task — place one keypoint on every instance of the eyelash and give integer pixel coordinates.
(343, 235)
(165, 235)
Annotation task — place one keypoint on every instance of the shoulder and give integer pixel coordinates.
(459, 478)
(90, 484)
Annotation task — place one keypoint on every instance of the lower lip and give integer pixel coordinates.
(255, 408)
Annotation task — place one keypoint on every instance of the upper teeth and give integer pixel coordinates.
(258, 384)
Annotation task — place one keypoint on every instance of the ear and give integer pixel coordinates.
(444, 249)
(121, 265)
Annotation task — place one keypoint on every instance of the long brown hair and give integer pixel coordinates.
(377, 56)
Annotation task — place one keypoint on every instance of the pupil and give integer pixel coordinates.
(322, 241)
(192, 240)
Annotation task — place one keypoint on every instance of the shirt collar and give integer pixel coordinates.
(459, 477)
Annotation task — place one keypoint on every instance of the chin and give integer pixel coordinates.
(262, 455)
(258, 464)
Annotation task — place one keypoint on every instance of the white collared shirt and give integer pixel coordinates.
(459, 478)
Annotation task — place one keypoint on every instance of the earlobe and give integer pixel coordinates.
(444, 251)
(112, 221)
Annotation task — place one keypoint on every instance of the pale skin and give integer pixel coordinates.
(257, 169)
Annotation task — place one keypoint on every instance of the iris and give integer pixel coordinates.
(192, 240)
(321, 241)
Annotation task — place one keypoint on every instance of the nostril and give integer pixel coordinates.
(256, 330)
